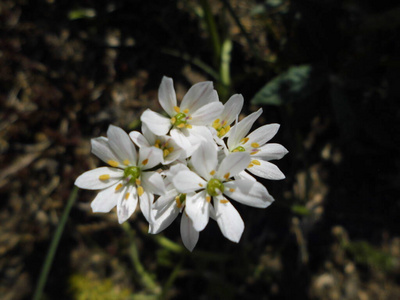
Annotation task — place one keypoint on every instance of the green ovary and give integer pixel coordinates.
(133, 173)
(239, 149)
(180, 119)
(214, 186)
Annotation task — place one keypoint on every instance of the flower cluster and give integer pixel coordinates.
(195, 160)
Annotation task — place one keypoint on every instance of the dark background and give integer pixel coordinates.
(327, 71)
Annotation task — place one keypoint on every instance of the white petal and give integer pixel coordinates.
(207, 114)
(164, 217)
(166, 199)
(263, 134)
(199, 95)
(167, 96)
(175, 154)
(205, 160)
(146, 201)
(122, 145)
(189, 235)
(233, 163)
(106, 200)
(139, 139)
(248, 192)
(102, 150)
(232, 108)
(228, 219)
(90, 180)
(271, 151)
(198, 209)
(157, 123)
(267, 170)
(153, 183)
(201, 134)
(182, 140)
(127, 204)
(148, 134)
(188, 181)
(245, 175)
(241, 129)
(149, 157)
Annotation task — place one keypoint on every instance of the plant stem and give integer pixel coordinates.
(53, 246)
(212, 29)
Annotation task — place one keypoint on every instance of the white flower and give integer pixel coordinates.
(231, 110)
(169, 149)
(256, 145)
(187, 122)
(168, 206)
(127, 179)
(212, 182)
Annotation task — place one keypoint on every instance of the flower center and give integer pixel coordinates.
(239, 149)
(221, 127)
(180, 119)
(164, 147)
(215, 187)
(132, 173)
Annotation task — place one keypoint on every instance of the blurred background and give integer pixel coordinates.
(326, 70)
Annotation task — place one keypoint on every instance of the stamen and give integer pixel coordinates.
(212, 172)
(255, 162)
(138, 181)
(178, 201)
(231, 190)
(118, 187)
(200, 185)
(145, 162)
(227, 175)
(127, 196)
(181, 125)
(170, 149)
(250, 165)
(157, 146)
(188, 126)
(126, 162)
(224, 123)
(140, 191)
(177, 109)
(254, 152)
(244, 140)
(208, 199)
(216, 121)
(221, 132)
(173, 120)
(165, 152)
(255, 145)
(113, 163)
(223, 201)
(104, 177)
(186, 111)
(227, 128)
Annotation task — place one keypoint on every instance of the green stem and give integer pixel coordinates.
(212, 29)
(53, 246)
(225, 69)
(144, 277)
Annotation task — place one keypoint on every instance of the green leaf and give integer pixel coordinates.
(81, 13)
(300, 210)
(297, 83)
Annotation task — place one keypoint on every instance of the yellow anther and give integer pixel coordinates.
(244, 140)
(227, 175)
(126, 162)
(231, 190)
(165, 145)
(104, 177)
(157, 146)
(140, 191)
(181, 125)
(158, 142)
(177, 109)
(165, 152)
(200, 185)
(212, 172)
(255, 145)
(188, 126)
(221, 132)
(144, 162)
(186, 111)
(173, 120)
(223, 201)
(224, 123)
(137, 181)
(227, 128)
(127, 196)
(216, 121)
(255, 162)
(250, 165)
(170, 149)
(254, 152)
(235, 150)
(216, 126)
(189, 117)
(113, 163)
(208, 199)
(178, 201)
(118, 187)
